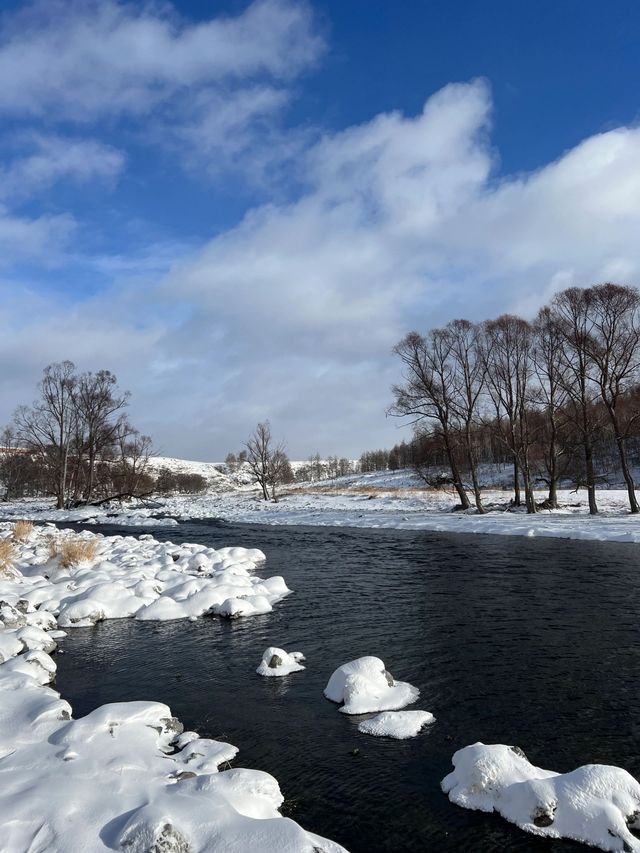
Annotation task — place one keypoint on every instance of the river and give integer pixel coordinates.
(530, 642)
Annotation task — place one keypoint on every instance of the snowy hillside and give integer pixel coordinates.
(217, 481)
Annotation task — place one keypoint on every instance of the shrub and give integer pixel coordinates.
(7, 556)
(72, 552)
(22, 530)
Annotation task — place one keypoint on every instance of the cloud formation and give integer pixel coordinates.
(88, 59)
(402, 222)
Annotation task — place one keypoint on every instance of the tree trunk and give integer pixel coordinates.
(591, 480)
(517, 500)
(631, 487)
(455, 473)
(474, 473)
(552, 500)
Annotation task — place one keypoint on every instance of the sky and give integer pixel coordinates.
(240, 207)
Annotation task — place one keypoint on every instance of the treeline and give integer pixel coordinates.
(316, 469)
(556, 397)
(170, 482)
(75, 441)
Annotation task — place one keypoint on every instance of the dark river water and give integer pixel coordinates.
(529, 642)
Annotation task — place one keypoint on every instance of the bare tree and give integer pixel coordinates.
(428, 391)
(97, 399)
(572, 311)
(131, 475)
(280, 471)
(613, 348)
(548, 365)
(468, 375)
(509, 367)
(259, 453)
(49, 425)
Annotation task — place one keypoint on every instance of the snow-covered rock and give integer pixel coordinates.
(396, 724)
(276, 662)
(595, 804)
(365, 686)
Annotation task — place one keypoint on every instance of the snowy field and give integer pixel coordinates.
(370, 501)
(125, 777)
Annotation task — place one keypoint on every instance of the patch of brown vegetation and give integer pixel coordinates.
(72, 552)
(22, 530)
(7, 557)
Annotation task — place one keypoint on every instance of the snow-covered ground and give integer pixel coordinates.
(369, 506)
(125, 777)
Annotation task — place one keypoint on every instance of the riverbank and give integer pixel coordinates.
(362, 503)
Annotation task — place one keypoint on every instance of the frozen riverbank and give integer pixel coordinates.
(126, 776)
(361, 506)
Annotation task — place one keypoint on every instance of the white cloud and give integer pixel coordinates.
(42, 238)
(292, 314)
(54, 158)
(212, 91)
(87, 59)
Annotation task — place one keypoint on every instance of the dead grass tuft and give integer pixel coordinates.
(7, 557)
(22, 531)
(72, 552)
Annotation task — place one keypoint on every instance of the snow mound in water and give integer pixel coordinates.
(396, 724)
(276, 662)
(365, 686)
(595, 804)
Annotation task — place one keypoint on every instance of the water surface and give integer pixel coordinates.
(518, 641)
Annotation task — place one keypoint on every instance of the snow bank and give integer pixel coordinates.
(365, 686)
(140, 578)
(397, 724)
(595, 804)
(276, 662)
(387, 507)
(125, 777)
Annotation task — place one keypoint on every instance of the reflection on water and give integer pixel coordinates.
(519, 641)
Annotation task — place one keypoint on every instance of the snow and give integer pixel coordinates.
(124, 777)
(143, 579)
(384, 500)
(365, 686)
(595, 804)
(277, 662)
(396, 724)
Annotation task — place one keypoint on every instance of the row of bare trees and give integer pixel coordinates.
(75, 441)
(548, 390)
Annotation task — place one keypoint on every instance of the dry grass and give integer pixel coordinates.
(72, 552)
(22, 531)
(372, 491)
(7, 556)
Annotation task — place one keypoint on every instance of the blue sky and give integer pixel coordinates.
(239, 207)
